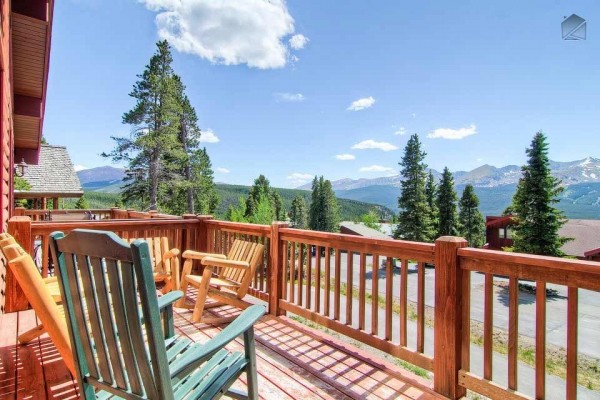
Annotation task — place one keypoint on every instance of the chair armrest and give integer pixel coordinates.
(170, 254)
(196, 255)
(169, 298)
(216, 262)
(241, 324)
(50, 279)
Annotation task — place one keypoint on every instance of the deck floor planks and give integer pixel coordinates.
(294, 362)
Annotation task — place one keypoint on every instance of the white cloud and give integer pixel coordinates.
(401, 131)
(208, 136)
(345, 157)
(454, 134)
(223, 170)
(371, 144)
(229, 32)
(297, 42)
(79, 167)
(378, 168)
(290, 97)
(298, 179)
(361, 104)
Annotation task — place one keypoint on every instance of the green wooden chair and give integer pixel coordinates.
(107, 288)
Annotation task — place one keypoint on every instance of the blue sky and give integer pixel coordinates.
(288, 86)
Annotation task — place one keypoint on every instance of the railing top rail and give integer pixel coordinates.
(67, 211)
(424, 252)
(563, 271)
(46, 227)
(263, 230)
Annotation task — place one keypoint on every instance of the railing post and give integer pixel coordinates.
(448, 317)
(277, 273)
(19, 212)
(20, 229)
(113, 212)
(203, 233)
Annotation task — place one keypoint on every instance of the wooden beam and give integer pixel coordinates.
(27, 105)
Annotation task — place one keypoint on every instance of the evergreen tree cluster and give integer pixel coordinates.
(324, 210)
(262, 206)
(167, 168)
(427, 210)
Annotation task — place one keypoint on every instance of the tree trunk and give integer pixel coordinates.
(153, 175)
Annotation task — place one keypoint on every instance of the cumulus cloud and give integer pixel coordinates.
(377, 168)
(345, 157)
(371, 144)
(401, 131)
(229, 32)
(208, 136)
(453, 134)
(79, 167)
(361, 104)
(223, 170)
(290, 97)
(298, 179)
(297, 42)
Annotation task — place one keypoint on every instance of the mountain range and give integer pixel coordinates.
(494, 186)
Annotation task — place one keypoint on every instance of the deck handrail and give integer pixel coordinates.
(322, 277)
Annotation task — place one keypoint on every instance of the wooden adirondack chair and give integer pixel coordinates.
(165, 261)
(49, 313)
(227, 285)
(103, 281)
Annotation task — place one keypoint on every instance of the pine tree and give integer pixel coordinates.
(537, 220)
(82, 203)
(472, 223)
(263, 213)
(446, 204)
(260, 188)
(324, 209)
(414, 222)
(431, 195)
(277, 202)
(155, 125)
(298, 215)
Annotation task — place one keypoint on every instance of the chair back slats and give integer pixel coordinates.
(107, 283)
(249, 252)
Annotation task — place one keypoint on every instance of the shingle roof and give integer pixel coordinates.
(586, 233)
(53, 175)
(363, 230)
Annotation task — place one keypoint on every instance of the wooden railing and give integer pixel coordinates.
(359, 287)
(91, 214)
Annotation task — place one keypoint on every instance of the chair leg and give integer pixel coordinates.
(31, 334)
(201, 297)
(184, 285)
(168, 286)
(251, 367)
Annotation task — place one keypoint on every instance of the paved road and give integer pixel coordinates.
(556, 314)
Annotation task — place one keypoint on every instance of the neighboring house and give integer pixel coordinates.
(584, 232)
(359, 229)
(53, 177)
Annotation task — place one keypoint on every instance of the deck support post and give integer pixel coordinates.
(277, 266)
(448, 333)
(203, 241)
(20, 229)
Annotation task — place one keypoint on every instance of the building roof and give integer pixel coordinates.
(586, 235)
(363, 230)
(53, 176)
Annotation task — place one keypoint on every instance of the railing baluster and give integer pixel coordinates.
(388, 298)
(349, 286)
(540, 340)
(421, 307)
(375, 296)
(301, 248)
(572, 316)
(488, 320)
(293, 272)
(403, 301)
(513, 331)
(318, 279)
(362, 291)
(308, 276)
(336, 288)
(327, 279)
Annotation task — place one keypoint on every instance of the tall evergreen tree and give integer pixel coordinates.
(472, 223)
(431, 191)
(298, 213)
(324, 209)
(538, 221)
(446, 204)
(414, 222)
(261, 187)
(278, 208)
(155, 125)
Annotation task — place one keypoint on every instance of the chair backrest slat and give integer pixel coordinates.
(242, 250)
(115, 311)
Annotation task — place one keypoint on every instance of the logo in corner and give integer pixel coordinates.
(574, 28)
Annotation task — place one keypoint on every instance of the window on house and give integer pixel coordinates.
(501, 233)
(509, 232)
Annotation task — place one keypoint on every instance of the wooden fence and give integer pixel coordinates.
(323, 277)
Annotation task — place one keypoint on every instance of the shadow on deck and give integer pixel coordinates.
(294, 362)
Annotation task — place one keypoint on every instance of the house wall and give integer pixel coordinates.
(6, 132)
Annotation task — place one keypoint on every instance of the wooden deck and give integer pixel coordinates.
(294, 362)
